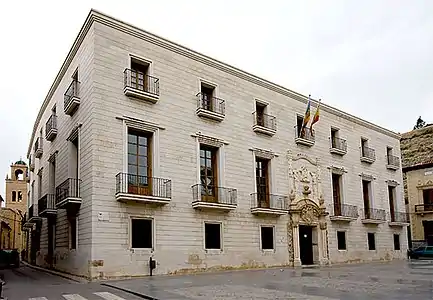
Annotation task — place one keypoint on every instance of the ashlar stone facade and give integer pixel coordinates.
(164, 153)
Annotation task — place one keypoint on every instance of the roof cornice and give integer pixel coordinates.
(96, 16)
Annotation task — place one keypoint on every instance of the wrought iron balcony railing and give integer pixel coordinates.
(339, 144)
(209, 103)
(47, 202)
(345, 210)
(265, 120)
(393, 161)
(402, 217)
(368, 153)
(70, 188)
(143, 185)
(304, 133)
(269, 201)
(137, 80)
(51, 127)
(374, 214)
(38, 144)
(214, 194)
(420, 208)
(73, 91)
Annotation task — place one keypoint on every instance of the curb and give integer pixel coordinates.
(129, 291)
(57, 273)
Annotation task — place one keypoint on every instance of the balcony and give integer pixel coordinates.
(344, 213)
(264, 124)
(33, 214)
(374, 216)
(424, 208)
(338, 146)
(393, 162)
(72, 98)
(268, 204)
(142, 189)
(68, 194)
(399, 219)
(210, 107)
(51, 128)
(31, 164)
(25, 224)
(141, 86)
(304, 136)
(47, 206)
(217, 198)
(368, 155)
(39, 147)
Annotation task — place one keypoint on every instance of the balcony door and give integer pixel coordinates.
(208, 173)
(207, 93)
(262, 182)
(391, 202)
(336, 193)
(366, 196)
(139, 163)
(139, 74)
(428, 199)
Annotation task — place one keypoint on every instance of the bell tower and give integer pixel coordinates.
(16, 187)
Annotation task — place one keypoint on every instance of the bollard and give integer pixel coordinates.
(152, 265)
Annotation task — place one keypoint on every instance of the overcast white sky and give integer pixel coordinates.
(370, 58)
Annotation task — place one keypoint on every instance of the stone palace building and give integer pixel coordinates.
(144, 149)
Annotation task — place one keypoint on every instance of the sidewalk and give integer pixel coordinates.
(400, 280)
(57, 273)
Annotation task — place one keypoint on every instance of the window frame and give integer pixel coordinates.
(220, 223)
(267, 163)
(153, 232)
(374, 241)
(398, 240)
(345, 240)
(141, 125)
(215, 171)
(274, 241)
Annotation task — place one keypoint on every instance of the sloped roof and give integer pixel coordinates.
(417, 147)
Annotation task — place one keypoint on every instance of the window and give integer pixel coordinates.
(427, 196)
(371, 241)
(336, 193)
(14, 196)
(299, 123)
(141, 233)
(212, 236)
(366, 196)
(364, 146)
(260, 113)
(396, 242)
(53, 110)
(208, 173)
(341, 240)
(139, 162)
(388, 151)
(262, 182)
(267, 237)
(20, 196)
(72, 233)
(139, 75)
(391, 194)
(334, 137)
(207, 95)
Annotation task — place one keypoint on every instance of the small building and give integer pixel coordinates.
(417, 160)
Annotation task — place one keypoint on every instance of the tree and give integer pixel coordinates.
(419, 123)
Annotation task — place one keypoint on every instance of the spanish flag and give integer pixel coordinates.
(316, 117)
(307, 113)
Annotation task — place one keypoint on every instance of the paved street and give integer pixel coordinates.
(396, 280)
(26, 283)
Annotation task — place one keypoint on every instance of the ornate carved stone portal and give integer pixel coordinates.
(307, 209)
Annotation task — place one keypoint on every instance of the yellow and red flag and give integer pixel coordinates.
(316, 116)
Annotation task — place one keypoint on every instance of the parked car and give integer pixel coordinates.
(9, 258)
(420, 252)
